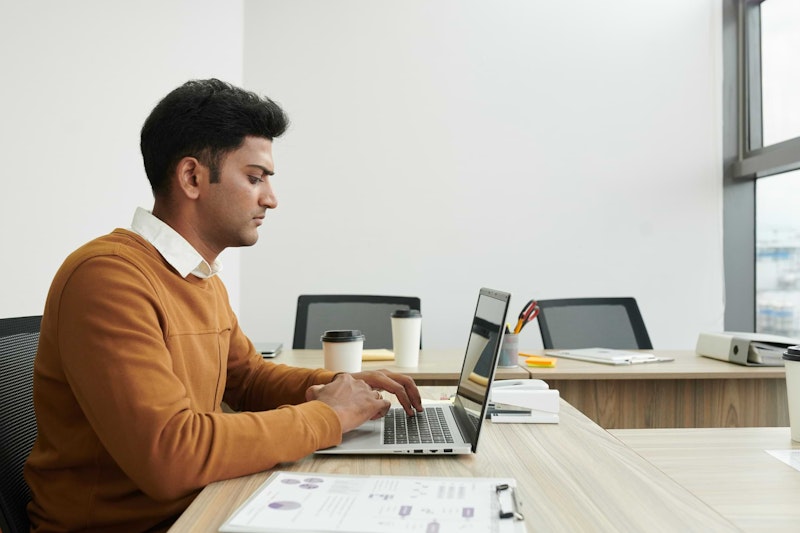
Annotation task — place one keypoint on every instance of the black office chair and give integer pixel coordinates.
(19, 338)
(317, 313)
(572, 323)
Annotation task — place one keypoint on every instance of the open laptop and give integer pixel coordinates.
(456, 424)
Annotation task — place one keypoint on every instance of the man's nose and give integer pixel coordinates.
(268, 198)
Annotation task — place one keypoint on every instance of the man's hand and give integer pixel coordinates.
(400, 385)
(354, 400)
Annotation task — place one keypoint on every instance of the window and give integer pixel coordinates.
(762, 158)
(778, 254)
(780, 77)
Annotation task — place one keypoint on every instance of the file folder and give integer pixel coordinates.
(744, 348)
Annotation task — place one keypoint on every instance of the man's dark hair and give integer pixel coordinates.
(205, 119)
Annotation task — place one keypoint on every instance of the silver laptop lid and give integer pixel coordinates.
(480, 362)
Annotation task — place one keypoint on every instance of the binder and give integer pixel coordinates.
(744, 348)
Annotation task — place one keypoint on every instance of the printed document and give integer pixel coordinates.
(297, 501)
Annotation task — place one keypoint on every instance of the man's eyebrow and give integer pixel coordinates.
(264, 170)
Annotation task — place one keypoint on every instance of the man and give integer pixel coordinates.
(139, 345)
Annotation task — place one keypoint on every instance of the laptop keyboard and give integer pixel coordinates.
(428, 426)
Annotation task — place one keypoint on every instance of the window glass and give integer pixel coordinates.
(780, 75)
(778, 254)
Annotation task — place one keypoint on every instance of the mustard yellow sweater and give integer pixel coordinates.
(132, 366)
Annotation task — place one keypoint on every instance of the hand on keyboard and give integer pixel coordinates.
(352, 399)
(402, 386)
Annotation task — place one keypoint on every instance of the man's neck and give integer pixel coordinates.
(182, 223)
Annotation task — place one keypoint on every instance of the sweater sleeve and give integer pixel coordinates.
(255, 384)
(145, 404)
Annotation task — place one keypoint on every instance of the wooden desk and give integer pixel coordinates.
(436, 367)
(691, 391)
(728, 469)
(572, 476)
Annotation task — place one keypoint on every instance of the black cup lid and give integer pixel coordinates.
(792, 353)
(406, 313)
(342, 335)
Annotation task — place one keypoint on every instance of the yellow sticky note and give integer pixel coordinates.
(540, 361)
(377, 354)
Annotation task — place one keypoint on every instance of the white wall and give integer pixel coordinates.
(550, 149)
(545, 148)
(79, 78)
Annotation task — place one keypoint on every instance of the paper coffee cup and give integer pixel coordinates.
(342, 350)
(791, 360)
(406, 332)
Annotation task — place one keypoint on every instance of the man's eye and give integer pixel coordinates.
(255, 179)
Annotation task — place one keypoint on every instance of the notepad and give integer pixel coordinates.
(377, 354)
(538, 360)
(608, 356)
(306, 501)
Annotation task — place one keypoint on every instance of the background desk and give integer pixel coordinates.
(572, 476)
(729, 469)
(436, 367)
(691, 391)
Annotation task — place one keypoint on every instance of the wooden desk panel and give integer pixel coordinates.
(572, 476)
(691, 391)
(728, 469)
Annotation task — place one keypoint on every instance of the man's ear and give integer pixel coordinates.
(190, 174)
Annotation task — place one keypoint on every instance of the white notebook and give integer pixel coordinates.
(608, 356)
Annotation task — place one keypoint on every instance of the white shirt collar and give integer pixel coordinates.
(172, 246)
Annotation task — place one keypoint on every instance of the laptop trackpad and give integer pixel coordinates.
(367, 436)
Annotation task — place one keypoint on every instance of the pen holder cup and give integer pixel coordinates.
(509, 351)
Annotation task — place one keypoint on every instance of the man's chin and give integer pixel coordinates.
(248, 240)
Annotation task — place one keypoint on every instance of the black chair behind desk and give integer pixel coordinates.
(19, 338)
(317, 313)
(572, 323)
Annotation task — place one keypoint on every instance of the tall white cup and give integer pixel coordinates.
(406, 334)
(342, 350)
(791, 359)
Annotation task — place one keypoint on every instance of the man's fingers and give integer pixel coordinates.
(312, 392)
(402, 386)
(406, 391)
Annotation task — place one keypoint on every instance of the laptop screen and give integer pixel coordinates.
(483, 347)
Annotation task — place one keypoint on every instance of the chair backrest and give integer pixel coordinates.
(317, 313)
(572, 323)
(19, 338)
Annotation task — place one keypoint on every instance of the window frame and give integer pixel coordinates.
(744, 158)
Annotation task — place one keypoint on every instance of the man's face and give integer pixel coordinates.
(233, 208)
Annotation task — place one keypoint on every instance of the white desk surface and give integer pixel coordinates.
(572, 476)
(729, 469)
(687, 365)
(434, 365)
